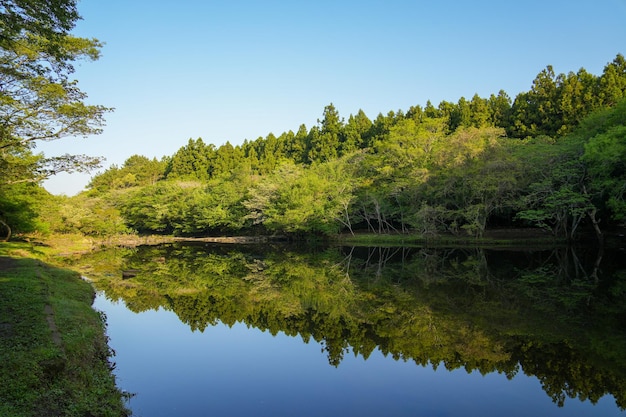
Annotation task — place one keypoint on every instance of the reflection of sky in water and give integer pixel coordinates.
(242, 371)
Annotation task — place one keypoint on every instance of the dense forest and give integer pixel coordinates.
(553, 157)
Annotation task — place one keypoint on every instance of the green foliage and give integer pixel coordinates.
(299, 200)
(556, 104)
(39, 101)
(136, 171)
(187, 207)
(192, 161)
(554, 198)
(19, 209)
(445, 169)
(605, 155)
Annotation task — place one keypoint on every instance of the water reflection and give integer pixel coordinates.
(557, 315)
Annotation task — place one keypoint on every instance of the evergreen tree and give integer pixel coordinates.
(193, 161)
(500, 110)
(479, 112)
(325, 145)
(612, 83)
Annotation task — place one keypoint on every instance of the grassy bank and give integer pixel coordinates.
(491, 238)
(54, 359)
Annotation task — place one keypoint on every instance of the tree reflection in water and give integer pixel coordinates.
(556, 314)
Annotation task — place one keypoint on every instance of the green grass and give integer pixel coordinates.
(55, 363)
(515, 238)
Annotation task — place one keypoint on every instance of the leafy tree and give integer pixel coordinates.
(298, 147)
(556, 104)
(227, 159)
(536, 112)
(461, 115)
(605, 156)
(44, 18)
(38, 99)
(19, 209)
(472, 177)
(136, 171)
(554, 199)
(270, 153)
(90, 216)
(355, 133)
(298, 200)
(150, 209)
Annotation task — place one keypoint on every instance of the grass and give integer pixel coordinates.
(495, 238)
(54, 357)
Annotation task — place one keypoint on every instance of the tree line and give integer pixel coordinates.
(553, 158)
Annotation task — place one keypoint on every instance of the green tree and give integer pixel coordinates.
(554, 198)
(605, 156)
(355, 133)
(38, 99)
(472, 178)
(300, 200)
(461, 115)
(500, 109)
(136, 171)
(480, 112)
(612, 87)
(193, 161)
(227, 159)
(325, 145)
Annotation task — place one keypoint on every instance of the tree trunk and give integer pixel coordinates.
(8, 231)
(596, 226)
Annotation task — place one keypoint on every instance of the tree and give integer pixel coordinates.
(613, 81)
(605, 156)
(555, 198)
(136, 171)
(46, 18)
(325, 145)
(472, 177)
(38, 99)
(294, 199)
(479, 112)
(193, 161)
(461, 115)
(500, 109)
(355, 132)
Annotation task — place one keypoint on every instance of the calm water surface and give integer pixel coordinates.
(241, 331)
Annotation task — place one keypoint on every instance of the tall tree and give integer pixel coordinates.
(325, 146)
(39, 101)
(193, 161)
(500, 109)
(613, 81)
(479, 112)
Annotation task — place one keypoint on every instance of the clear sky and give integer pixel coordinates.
(240, 69)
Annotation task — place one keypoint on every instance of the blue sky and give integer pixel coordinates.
(235, 70)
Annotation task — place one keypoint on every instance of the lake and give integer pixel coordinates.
(278, 330)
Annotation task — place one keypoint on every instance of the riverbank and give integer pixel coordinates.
(54, 357)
